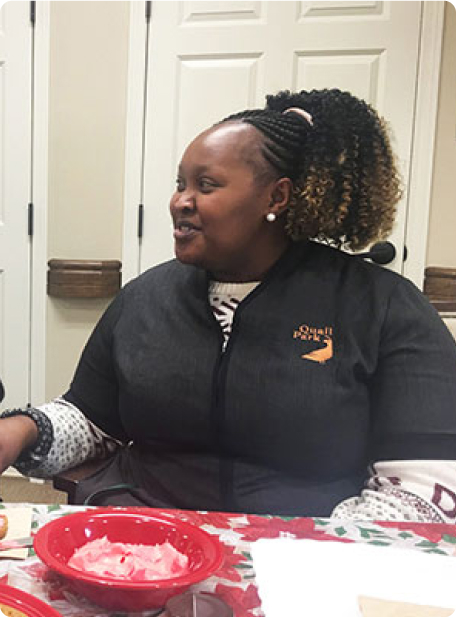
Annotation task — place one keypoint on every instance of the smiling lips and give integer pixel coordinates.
(184, 230)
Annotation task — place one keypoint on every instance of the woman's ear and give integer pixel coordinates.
(280, 196)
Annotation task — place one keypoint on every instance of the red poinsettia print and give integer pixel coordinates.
(275, 527)
(231, 559)
(219, 520)
(433, 532)
(242, 601)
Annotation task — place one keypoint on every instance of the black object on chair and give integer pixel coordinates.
(381, 253)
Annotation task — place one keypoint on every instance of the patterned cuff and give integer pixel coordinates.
(33, 457)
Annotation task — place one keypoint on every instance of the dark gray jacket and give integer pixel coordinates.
(332, 363)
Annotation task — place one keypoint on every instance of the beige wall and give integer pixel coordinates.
(88, 79)
(442, 223)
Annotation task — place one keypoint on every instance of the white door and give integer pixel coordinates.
(208, 59)
(15, 163)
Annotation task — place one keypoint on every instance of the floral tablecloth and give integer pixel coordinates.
(235, 581)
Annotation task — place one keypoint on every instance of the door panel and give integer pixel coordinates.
(204, 12)
(209, 59)
(15, 148)
(233, 75)
(357, 73)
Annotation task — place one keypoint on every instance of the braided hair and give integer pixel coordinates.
(345, 182)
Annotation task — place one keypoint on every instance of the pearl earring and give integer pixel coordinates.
(270, 217)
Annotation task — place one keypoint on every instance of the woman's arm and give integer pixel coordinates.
(84, 424)
(63, 438)
(413, 415)
(420, 490)
(16, 434)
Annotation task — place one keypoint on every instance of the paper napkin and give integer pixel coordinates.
(307, 577)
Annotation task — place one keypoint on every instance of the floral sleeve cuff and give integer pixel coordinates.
(34, 456)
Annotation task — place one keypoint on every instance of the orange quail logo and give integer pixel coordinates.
(319, 335)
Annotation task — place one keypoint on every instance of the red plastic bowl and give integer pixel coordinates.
(25, 603)
(56, 542)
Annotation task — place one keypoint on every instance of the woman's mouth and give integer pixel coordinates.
(185, 231)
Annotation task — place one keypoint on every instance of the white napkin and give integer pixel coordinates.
(307, 577)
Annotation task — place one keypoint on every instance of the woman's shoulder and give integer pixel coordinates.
(359, 280)
(163, 278)
(356, 269)
(158, 271)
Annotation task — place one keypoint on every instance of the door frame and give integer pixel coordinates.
(421, 154)
(423, 141)
(38, 295)
(135, 126)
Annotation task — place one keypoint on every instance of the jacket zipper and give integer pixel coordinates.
(218, 410)
(226, 465)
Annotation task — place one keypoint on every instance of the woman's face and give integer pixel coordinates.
(219, 205)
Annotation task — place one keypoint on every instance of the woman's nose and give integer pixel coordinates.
(184, 201)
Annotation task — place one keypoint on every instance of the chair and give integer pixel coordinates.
(67, 481)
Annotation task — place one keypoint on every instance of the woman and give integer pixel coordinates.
(261, 371)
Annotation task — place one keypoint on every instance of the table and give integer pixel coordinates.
(235, 581)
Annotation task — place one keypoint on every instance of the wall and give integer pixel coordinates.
(442, 223)
(88, 85)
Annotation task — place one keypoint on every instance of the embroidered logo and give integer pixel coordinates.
(318, 335)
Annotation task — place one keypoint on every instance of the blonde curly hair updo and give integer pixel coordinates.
(345, 181)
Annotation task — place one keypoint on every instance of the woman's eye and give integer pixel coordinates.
(206, 185)
(180, 186)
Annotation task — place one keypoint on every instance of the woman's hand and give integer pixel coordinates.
(17, 433)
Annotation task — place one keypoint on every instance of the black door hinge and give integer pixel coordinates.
(32, 12)
(140, 220)
(30, 220)
(148, 10)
